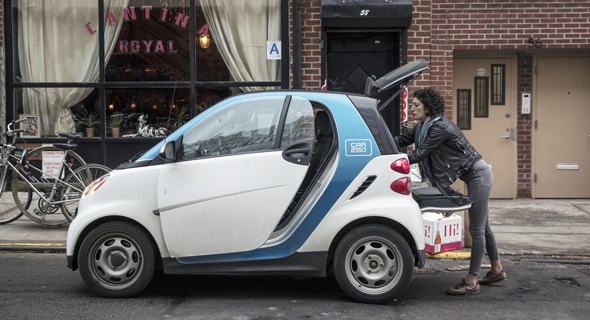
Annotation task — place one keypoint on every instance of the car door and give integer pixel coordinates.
(241, 167)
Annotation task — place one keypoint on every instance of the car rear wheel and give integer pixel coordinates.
(117, 259)
(373, 264)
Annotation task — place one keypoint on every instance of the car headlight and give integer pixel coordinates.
(94, 185)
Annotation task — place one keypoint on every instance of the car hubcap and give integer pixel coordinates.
(116, 261)
(373, 265)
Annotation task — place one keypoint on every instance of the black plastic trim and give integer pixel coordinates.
(367, 107)
(297, 264)
(420, 259)
(364, 186)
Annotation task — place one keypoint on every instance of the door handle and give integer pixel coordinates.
(505, 137)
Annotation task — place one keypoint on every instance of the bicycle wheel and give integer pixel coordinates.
(9, 211)
(75, 184)
(43, 180)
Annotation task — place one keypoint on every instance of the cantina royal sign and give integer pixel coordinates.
(147, 46)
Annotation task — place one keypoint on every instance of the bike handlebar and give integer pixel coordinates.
(20, 120)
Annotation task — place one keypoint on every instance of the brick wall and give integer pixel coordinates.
(524, 128)
(501, 26)
(441, 28)
(311, 38)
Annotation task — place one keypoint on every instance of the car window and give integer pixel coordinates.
(299, 123)
(238, 127)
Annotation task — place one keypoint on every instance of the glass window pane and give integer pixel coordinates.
(299, 123)
(498, 84)
(242, 126)
(481, 97)
(464, 109)
(149, 41)
(58, 109)
(56, 40)
(232, 40)
(146, 112)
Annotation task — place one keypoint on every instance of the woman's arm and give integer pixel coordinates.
(437, 134)
(405, 139)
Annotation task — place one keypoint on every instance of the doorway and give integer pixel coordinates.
(561, 134)
(484, 91)
(354, 56)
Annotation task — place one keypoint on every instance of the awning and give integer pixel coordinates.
(366, 13)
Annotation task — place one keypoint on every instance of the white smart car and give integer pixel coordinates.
(276, 182)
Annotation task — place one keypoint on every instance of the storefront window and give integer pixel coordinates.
(153, 44)
(233, 39)
(58, 109)
(147, 113)
(57, 41)
(67, 77)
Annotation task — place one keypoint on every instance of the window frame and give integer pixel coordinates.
(468, 91)
(102, 85)
(486, 106)
(502, 82)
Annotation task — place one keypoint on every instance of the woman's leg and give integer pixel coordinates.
(479, 186)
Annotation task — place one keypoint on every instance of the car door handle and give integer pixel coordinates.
(505, 137)
(301, 150)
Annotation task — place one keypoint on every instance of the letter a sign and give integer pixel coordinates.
(273, 50)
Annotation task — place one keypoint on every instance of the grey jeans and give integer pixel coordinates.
(479, 182)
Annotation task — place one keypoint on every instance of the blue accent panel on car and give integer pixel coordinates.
(349, 126)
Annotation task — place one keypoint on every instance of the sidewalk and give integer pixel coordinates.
(521, 226)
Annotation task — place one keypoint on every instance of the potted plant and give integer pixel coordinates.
(89, 120)
(115, 123)
(179, 118)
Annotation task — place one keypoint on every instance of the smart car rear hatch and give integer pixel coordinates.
(403, 73)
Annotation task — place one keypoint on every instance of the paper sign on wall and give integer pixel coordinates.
(273, 50)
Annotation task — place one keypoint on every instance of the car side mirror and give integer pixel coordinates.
(168, 151)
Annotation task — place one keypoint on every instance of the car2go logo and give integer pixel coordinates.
(358, 147)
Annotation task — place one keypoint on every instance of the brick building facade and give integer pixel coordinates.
(441, 30)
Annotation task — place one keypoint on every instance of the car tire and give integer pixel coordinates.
(117, 259)
(373, 264)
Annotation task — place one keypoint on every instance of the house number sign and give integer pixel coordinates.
(535, 44)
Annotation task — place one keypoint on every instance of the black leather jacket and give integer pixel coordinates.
(451, 155)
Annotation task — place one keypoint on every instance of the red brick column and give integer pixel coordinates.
(311, 38)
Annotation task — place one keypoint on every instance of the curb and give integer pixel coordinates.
(33, 247)
(451, 255)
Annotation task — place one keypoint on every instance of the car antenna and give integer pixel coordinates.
(381, 107)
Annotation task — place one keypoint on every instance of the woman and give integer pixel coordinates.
(444, 154)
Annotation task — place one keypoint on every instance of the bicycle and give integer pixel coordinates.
(45, 189)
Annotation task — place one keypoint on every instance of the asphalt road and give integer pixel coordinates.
(39, 286)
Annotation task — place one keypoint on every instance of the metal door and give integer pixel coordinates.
(352, 57)
(561, 132)
(492, 133)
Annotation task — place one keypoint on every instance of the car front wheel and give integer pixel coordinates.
(373, 264)
(116, 259)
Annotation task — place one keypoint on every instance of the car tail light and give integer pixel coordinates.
(401, 165)
(402, 185)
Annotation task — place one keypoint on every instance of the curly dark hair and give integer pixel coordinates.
(432, 101)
